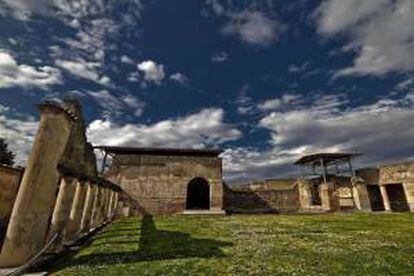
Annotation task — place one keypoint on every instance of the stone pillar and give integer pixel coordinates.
(115, 206)
(76, 211)
(29, 221)
(88, 209)
(62, 209)
(97, 219)
(360, 194)
(110, 205)
(326, 194)
(216, 195)
(385, 198)
(305, 197)
(409, 194)
(106, 205)
(94, 207)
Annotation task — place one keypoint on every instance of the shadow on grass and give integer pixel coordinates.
(153, 244)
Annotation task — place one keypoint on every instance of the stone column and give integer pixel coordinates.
(106, 205)
(305, 197)
(409, 194)
(62, 209)
(385, 198)
(97, 211)
(360, 194)
(115, 206)
(29, 221)
(88, 209)
(216, 195)
(94, 207)
(325, 193)
(77, 210)
(98, 216)
(111, 200)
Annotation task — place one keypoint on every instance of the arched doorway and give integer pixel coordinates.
(198, 194)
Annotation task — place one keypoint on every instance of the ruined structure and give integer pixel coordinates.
(9, 185)
(60, 196)
(328, 183)
(166, 181)
(390, 187)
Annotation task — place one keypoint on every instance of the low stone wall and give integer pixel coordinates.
(9, 185)
(263, 198)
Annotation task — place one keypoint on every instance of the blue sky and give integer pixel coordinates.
(266, 81)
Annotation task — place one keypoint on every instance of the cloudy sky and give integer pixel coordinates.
(266, 81)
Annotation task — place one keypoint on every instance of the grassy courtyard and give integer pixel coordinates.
(351, 244)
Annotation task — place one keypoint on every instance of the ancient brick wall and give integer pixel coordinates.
(9, 185)
(268, 197)
(396, 173)
(159, 183)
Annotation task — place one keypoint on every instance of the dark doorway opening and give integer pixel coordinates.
(198, 194)
(315, 194)
(396, 196)
(375, 198)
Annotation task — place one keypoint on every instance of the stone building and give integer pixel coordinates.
(166, 181)
(390, 187)
(328, 183)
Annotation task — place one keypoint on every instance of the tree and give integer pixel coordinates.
(6, 156)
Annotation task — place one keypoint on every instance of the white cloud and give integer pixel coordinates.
(286, 100)
(14, 74)
(153, 72)
(82, 50)
(194, 131)
(180, 78)
(382, 130)
(113, 105)
(270, 104)
(253, 27)
(219, 57)
(80, 68)
(126, 59)
(380, 32)
(298, 68)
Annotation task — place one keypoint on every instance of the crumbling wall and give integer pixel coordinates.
(159, 183)
(9, 185)
(271, 196)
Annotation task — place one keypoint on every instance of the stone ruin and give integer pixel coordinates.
(60, 196)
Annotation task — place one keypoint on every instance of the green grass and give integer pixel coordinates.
(351, 244)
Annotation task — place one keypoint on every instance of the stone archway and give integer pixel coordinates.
(198, 194)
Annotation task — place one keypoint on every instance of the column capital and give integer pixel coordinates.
(54, 108)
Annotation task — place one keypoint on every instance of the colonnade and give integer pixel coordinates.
(54, 207)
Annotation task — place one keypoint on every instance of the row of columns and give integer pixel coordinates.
(38, 213)
(80, 208)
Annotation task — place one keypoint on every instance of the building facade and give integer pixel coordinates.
(167, 181)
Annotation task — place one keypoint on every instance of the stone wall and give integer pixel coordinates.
(396, 173)
(271, 196)
(402, 173)
(9, 185)
(369, 175)
(159, 183)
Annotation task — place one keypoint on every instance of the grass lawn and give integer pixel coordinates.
(349, 244)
